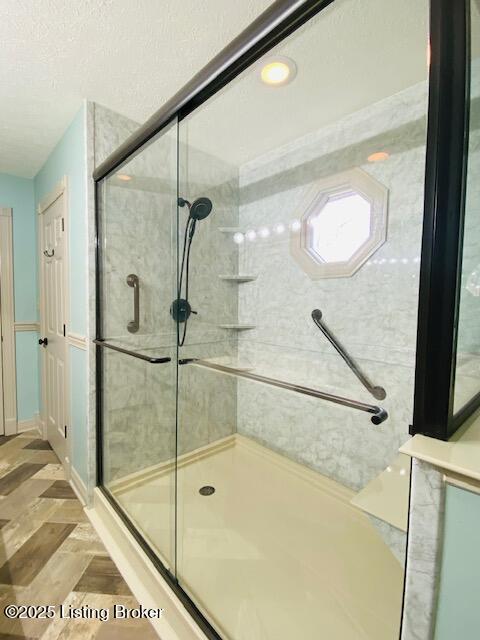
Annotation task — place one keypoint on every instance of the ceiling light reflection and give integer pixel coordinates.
(264, 232)
(238, 237)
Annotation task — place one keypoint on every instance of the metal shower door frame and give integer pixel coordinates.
(443, 227)
(443, 222)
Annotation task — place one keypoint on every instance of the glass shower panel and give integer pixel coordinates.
(467, 375)
(313, 161)
(137, 232)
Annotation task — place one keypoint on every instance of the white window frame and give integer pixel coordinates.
(348, 182)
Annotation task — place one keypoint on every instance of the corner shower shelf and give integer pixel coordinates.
(237, 327)
(230, 229)
(238, 278)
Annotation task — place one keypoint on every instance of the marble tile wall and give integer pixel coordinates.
(467, 383)
(395, 538)
(423, 551)
(468, 338)
(373, 312)
(139, 237)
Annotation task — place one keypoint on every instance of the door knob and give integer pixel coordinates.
(43, 341)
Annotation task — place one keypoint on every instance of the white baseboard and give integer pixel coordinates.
(144, 580)
(28, 425)
(78, 486)
(10, 426)
(42, 427)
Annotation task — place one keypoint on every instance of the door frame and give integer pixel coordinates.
(8, 419)
(60, 189)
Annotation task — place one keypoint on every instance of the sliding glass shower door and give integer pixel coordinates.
(257, 323)
(296, 362)
(137, 352)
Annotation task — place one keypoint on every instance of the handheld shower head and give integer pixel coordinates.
(181, 309)
(200, 208)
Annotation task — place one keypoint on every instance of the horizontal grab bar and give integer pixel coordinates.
(134, 354)
(378, 393)
(379, 414)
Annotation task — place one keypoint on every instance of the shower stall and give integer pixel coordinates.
(270, 248)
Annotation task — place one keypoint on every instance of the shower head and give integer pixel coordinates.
(181, 309)
(200, 208)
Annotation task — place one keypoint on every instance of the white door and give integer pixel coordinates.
(53, 326)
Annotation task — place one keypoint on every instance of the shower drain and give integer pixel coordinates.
(206, 490)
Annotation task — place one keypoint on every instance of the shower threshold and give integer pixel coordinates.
(275, 551)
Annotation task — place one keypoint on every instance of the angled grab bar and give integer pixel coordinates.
(377, 392)
(379, 414)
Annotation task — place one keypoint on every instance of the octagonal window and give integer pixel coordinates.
(340, 227)
(343, 221)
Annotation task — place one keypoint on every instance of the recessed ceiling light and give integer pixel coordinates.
(278, 71)
(124, 176)
(378, 156)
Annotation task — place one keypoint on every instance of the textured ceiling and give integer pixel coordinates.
(130, 55)
(349, 56)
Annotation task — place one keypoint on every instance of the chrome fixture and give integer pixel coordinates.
(133, 281)
(49, 254)
(379, 414)
(378, 393)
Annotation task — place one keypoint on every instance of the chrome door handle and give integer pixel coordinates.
(133, 281)
(49, 254)
(43, 342)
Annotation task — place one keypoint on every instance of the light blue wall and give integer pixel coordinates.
(18, 194)
(69, 159)
(458, 614)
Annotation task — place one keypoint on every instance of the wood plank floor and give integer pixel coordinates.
(50, 553)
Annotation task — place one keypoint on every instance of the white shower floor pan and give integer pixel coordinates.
(276, 553)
